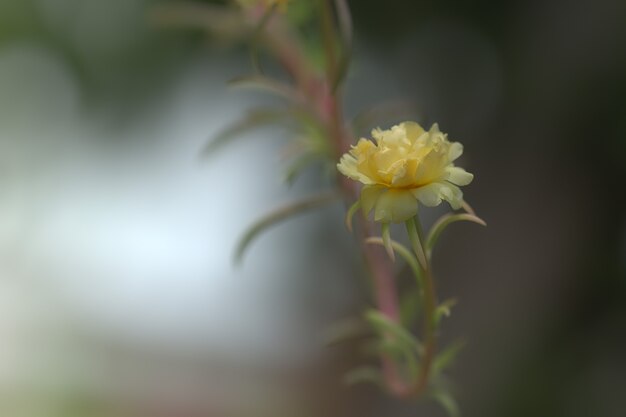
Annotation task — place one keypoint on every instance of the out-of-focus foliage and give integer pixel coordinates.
(537, 89)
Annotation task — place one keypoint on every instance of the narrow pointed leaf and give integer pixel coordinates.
(345, 30)
(444, 222)
(279, 215)
(386, 234)
(264, 83)
(443, 309)
(366, 374)
(448, 403)
(345, 330)
(256, 36)
(396, 341)
(447, 356)
(382, 346)
(405, 253)
(410, 306)
(221, 21)
(413, 229)
(255, 118)
(406, 356)
(300, 164)
(468, 208)
(345, 21)
(350, 214)
(394, 330)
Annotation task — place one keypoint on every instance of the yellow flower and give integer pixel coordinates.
(404, 165)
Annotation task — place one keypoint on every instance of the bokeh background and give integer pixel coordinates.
(118, 297)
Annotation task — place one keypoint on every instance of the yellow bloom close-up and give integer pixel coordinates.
(403, 166)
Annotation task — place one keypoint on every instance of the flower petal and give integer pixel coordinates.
(429, 195)
(452, 194)
(431, 168)
(348, 167)
(395, 206)
(432, 195)
(456, 150)
(413, 130)
(459, 176)
(369, 196)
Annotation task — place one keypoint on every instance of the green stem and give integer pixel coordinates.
(329, 111)
(328, 39)
(429, 301)
(345, 30)
(378, 264)
(414, 230)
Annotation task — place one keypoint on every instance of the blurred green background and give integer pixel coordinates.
(117, 293)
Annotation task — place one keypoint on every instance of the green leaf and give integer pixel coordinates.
(386, 234)
(384, 347)
(301, 13)
(344, 20)
(350, 214)
(443, 309)
(300, 164)
(386, 327)
(413, 229)
(256, 37)
(400, 353)
(447, 356)
(262, 117)
(264, 83)
(344, 330)
(279, 215)
(405, 253)
(446, 220)
(310, 147)
(255, 118)
(227, 23)
(467, 208)
(410, 306)
(447, 401)
(365, 374)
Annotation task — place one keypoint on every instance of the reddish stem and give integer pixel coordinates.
(327, 105)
